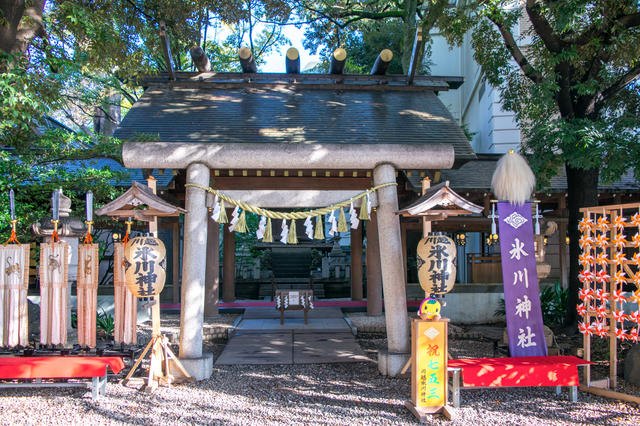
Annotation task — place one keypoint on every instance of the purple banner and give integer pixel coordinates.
(521, 291)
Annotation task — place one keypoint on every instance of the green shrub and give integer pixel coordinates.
(105, 323)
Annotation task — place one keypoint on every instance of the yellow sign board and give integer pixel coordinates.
(429, 375)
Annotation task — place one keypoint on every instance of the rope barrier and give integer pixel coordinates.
(293, 215)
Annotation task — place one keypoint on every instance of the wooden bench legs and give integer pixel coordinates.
(456, 388)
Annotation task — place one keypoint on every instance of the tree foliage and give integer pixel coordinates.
(568, 71)
(77, 62)
(345, 23)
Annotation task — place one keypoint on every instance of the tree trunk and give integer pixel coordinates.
(408, 34)
(582, 192)
(16, 33)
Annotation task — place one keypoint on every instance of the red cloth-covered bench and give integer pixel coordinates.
(555, 371)
(58, 367)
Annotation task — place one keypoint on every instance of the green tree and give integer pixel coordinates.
(571, 86)
(78, 62)
(334, 23)
(364, 40)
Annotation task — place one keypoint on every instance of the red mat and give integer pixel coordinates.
(521, 371)
(57, 367)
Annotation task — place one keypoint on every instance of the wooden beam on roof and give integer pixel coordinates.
(292, 61)
(167, 51)
(413, 65)
(247, 62)
(200, 59)
(338, 60)
(382, 63)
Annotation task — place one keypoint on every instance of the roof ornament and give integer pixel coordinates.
(513, 179)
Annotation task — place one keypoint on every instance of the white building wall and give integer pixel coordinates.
(476, 103)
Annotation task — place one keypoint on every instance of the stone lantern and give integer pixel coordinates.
(69, 230)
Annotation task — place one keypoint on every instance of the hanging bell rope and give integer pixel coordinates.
(279, 215)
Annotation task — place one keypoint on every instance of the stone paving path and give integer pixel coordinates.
(260, 339)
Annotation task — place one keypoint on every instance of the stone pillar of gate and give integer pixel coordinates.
(391, 361)
(198, 364)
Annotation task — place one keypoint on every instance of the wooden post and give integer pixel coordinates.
(405, 261)
(176, 262)
(166, 48)
(356, 262)
(212, 280)
(156, 358)
(413, 65)
(200, 59)
(426, 225)
(247, 62)
(374, 271)
(292, 61)
(613, 306)
(338, 60)
(228, 263)
(381, 65)
(563, 261)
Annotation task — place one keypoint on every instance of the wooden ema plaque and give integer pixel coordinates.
(429, 380)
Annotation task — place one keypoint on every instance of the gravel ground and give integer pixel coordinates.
(321, 394)
(170, 323)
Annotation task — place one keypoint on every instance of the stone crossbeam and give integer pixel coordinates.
(176, 155)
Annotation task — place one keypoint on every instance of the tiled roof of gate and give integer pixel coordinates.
(289, 114)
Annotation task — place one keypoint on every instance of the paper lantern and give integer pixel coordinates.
(437, 257)
(145, 265)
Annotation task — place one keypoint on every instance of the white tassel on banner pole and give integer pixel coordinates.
(216, 209)
(513, 180)
(309, 227)
(285, 232)
(334, 223)
(353, 216)
(235, 219)
(262, 226)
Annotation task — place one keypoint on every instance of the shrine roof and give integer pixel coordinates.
(475, 176)
(294, 114)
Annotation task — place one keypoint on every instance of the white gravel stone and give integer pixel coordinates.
(320, 394)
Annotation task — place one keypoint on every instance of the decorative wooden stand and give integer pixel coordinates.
(159, 371)
(429, 377)
(604, 253)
